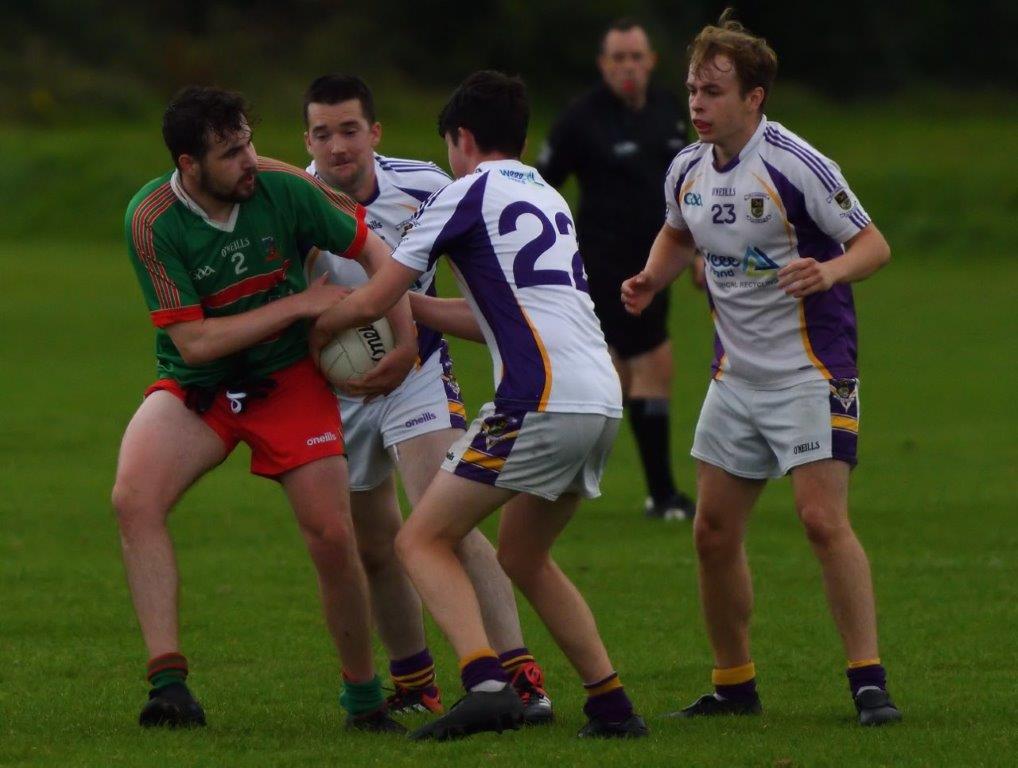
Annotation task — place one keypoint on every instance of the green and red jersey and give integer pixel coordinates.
(191, 268)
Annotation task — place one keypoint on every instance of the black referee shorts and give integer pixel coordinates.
(628, 335)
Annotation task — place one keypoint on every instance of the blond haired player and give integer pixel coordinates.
(782, 237)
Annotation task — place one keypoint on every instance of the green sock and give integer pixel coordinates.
(358, 698)
(166, 669)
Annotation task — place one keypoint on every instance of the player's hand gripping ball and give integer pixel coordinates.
(355, 351)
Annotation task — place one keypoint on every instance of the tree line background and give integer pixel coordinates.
(72, 59)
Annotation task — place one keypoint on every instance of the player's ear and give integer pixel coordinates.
(376, 134)
(755, 97)
(651, 61)
(187, 164)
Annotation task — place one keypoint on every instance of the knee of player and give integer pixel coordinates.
(713, 537)
(405, 544)
(132, 507)
(519, 563)
(334, 538)
(824, 525)
(377, 554)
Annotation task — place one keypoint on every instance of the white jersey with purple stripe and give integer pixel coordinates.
(511, 243)
(401, 187)
(777, 201)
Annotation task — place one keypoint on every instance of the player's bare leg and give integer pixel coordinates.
(325, 522)
(164, 451)
(427, 544)
(724, 502)
(529, 527)
(726, 588)
(650, 374)
(821, 500)
(419, 460)
(395, 604)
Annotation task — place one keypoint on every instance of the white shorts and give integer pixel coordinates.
(543, 454)
(762, 433)
(427, 401)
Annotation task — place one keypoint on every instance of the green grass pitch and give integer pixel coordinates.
(933, 501)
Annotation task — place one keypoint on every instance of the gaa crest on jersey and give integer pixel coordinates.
(757, 208)
(845, 392)
(843, 199)
(269, 246)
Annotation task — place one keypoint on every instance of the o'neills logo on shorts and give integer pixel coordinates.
(424, 418)
(327, 437)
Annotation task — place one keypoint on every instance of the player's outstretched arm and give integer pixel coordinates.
(369, 302)
(208, 339)
(867, 252)
(673, 250)
(374, 256)
(451, 316)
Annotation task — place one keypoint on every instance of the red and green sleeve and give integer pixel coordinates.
(162, 274)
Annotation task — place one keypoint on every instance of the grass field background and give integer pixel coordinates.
(934, 498)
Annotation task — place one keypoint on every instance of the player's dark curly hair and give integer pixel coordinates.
(755, 62)
(332, 89)
(199, 113)
(493, 107)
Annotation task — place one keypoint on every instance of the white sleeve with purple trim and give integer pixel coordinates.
(674, 181)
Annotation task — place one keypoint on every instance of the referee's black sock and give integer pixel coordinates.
(649, 418)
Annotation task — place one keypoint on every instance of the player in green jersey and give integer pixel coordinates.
(218, 248)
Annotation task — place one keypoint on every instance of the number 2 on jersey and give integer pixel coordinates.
(524, 270)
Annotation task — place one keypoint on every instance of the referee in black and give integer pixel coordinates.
(619, 139)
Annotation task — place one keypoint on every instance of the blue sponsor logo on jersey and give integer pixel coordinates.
(691, 198)
(524, 177)
(756, 262)
(753, 263)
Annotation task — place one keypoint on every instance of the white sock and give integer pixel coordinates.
(488, 686)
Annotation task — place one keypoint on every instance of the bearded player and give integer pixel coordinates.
(217, 245)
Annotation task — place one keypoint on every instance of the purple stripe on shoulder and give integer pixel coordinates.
(806, 160)
(819, 160)
(418, 194)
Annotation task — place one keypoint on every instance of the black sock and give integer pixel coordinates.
(649, 418)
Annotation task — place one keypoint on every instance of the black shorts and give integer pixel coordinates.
(628, 335)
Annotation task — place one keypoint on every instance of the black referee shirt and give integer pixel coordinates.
(620, 158)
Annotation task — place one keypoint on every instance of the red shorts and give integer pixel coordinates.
(296, 424)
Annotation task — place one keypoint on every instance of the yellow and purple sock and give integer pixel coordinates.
(514, 659)
(414, 672)
(607, 700)
(167, 669)
(481, 671)
(735, 683)
(866, 673)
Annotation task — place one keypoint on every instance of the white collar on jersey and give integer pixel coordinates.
(197, 210)
(509, 162)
